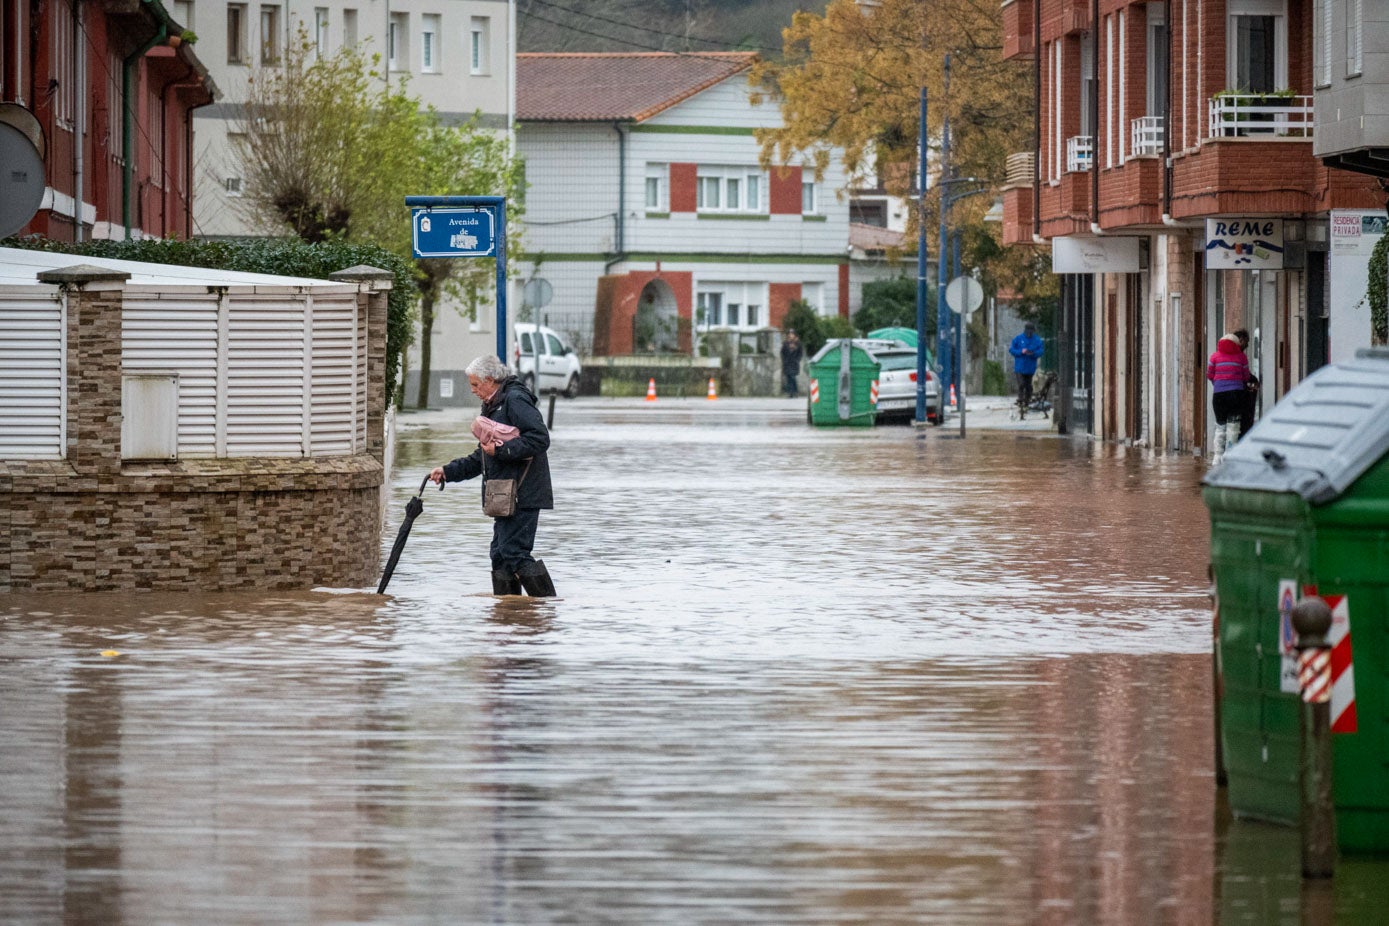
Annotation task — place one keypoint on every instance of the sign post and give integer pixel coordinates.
(463, 226)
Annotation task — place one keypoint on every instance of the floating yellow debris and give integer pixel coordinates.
(110, 652)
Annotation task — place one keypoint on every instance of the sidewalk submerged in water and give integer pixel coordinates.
(985, 413)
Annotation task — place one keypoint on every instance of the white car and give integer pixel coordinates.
(559, 364)
(897, 385)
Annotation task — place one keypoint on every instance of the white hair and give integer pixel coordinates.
(488, 367)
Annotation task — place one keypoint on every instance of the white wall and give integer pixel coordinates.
(1349, 307)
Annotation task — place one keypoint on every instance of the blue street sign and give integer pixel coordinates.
(454, 232)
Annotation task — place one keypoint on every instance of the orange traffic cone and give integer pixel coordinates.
(651, 389)
(713, 390)
(952, 395)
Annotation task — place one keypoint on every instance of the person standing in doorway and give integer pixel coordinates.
(507, 401)
(1026, 349)
(1251, 386)
(1228, 371)
(791, 353)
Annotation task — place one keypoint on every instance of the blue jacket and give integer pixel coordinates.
(1026, 363)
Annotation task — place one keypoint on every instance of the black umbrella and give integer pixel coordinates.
(412, 511)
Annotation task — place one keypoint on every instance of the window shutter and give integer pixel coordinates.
(32, 360)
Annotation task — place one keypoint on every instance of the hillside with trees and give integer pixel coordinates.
(657, 25)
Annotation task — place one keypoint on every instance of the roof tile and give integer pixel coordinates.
(616, 87)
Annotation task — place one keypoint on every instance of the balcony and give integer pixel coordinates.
(1147, 133)
(1017, 30)
(1255, 115)
(1080, 153)
(1075, 16)
(1017, 198)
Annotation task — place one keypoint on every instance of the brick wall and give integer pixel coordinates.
(92, 523)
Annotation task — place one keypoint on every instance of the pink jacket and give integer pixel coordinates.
(1228, 368)
(492, 434)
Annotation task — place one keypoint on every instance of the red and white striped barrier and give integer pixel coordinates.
(1342, 669)
(814, 391)
(873, 393)
(1314, 675)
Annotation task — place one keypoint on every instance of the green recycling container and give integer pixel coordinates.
(843, 385)
(1301, 506)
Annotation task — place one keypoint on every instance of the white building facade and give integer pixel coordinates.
(647, 211)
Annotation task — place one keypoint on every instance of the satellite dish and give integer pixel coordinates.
(21, 167)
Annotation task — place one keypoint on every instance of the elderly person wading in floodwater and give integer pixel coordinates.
(507, 401)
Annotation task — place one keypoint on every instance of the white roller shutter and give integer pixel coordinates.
(334, 374)
(177, 334)
(33, 348)
(265, 375)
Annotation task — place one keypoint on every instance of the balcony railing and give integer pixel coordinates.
(1080, 153)
(1147, 135)
(1240, 115)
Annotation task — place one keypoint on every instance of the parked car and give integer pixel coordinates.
(897, 385)
(559, 364)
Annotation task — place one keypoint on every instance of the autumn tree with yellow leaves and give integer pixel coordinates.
(850, 81)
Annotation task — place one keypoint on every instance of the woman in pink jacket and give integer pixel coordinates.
(1228, 371)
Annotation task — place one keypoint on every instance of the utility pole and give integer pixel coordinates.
(921, 265)
(944, 354)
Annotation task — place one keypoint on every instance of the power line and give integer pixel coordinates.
(630, 25)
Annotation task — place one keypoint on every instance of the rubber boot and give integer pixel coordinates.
(535, 578)
(505, 582)
(1219, 453)
(1232, 433)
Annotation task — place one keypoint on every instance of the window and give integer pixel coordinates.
(115, 125)
(64, 67)
(657, 181)
(183, 13)
(729, 189)
(1257, 51)
(478, 29)
(269, 35)
(1158, 38)
(154, 118)
(810, 204)
(236, 33)
(1355, 29)
(349, 28)
(429, 43)
(555, 347)
(1321, 42)
(320, 31)
(731, 305)
(397, 41)
(233, 185)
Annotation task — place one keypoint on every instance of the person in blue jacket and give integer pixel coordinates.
(506, 400)
(1026, 350)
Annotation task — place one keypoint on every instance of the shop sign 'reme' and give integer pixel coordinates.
(1244, 244)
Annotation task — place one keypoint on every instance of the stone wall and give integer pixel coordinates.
(92, 522)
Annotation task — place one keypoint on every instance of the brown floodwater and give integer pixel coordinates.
(794, 677)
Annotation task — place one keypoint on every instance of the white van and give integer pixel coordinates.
(559, 364)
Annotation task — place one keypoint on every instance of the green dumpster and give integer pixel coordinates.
(1301, 506)
(843, 385)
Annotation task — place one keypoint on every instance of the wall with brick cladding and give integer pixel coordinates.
(92, 523)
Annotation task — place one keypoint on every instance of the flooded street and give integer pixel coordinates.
(794, 677)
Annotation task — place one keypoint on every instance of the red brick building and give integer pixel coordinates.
(107, 92)
(1173, 176)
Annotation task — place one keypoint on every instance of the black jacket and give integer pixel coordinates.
(512, 404)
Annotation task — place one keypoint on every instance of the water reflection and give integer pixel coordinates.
(793, 678)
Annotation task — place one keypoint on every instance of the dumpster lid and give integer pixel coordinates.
(1320, 438)
(864, 344)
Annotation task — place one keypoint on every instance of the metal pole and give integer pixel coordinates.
(943, 267)
(921, 265)
(501, 283)
(957, 245)
(1312, 619)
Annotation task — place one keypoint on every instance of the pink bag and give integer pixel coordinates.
(492, 434)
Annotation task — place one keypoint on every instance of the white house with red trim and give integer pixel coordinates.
(647, 212)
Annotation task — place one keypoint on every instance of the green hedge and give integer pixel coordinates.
(282, 256)
(1379, 298)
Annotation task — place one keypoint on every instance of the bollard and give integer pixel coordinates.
(1312, 619)
(550, 418)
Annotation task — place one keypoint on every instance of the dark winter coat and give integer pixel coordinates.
(515, 405)
(791, 357)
